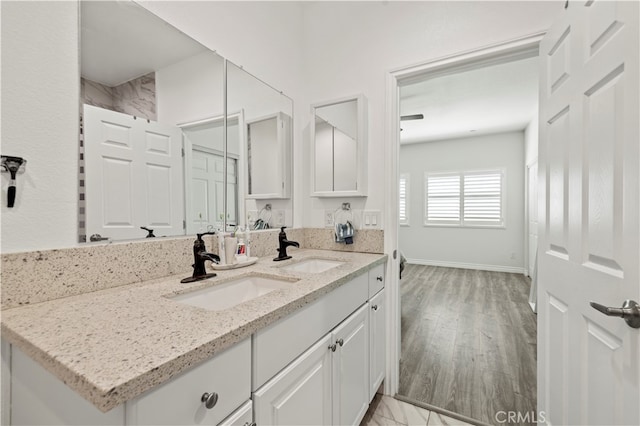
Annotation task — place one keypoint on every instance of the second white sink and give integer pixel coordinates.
(232, 293)
(312, 265)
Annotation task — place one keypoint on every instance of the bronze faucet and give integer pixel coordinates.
(283, 244)
(200, 255)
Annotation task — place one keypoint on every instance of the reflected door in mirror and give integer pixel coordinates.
(133, 175)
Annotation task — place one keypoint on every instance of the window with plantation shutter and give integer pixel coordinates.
(442, 199)
(472, 198)
(404, 199)
(483, 198)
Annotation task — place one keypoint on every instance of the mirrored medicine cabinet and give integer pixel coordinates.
(339, 148)
(159, 146)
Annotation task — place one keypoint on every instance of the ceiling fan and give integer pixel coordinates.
(411, 117)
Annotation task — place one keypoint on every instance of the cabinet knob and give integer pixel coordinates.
(379, 279)
(333, 347)
(340, 342)
(374, 307)
(209, 399)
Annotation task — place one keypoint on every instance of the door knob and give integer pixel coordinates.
(630, 312)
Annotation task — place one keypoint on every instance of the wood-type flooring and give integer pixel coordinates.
(468, 342)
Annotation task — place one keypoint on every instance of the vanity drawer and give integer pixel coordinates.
(376, 280)
(179, 401)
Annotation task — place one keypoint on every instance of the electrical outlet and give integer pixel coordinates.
(328, 219)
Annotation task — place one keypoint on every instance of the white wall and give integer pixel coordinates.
(312, 51)
(190, 90)
(493, 249)
(40, 110)
(351, 46)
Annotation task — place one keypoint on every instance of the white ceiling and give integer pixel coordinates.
(486, 100)
(108, 55)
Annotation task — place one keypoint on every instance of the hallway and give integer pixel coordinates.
(468, 341)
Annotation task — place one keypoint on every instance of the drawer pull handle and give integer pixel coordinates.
(333, 347)
(374, 307)
(340, 342)
(209, 399)
(379, 279)
(250, 424)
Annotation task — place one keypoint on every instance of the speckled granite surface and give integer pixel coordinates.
(38, 276)
(364, 240)
(112, 345)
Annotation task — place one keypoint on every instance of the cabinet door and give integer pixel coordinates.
(351, 368)
(301, 393)
(377, 340)
(179, 401)
(243, 416)
(376, 280)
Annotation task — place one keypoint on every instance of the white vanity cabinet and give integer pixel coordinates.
(327, 384)
(335, 379)
(377, 341)
(39, 398)
(350, 368)
(225, 380)
(243, 416)
(301, 393)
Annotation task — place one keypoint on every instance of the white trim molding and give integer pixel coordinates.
(461, 265)
(519, 48)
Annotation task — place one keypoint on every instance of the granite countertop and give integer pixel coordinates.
(112, 345)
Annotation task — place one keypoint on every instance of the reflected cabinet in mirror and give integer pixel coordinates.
(159, 149)
(339, 152)
(264, 147)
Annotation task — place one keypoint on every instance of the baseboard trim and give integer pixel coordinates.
(478, 266)
(439, 410)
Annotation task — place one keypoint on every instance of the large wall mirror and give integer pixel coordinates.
(338, 130)
(157, 150)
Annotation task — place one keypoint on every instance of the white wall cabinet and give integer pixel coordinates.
(377, 342)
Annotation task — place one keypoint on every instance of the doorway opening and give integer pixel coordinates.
(468, 137)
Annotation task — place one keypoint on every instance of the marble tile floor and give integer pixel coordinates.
(388, 411)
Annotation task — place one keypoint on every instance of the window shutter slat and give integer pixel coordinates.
(404, 199)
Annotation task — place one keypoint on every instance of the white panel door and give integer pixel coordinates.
(532, 190)
(351, 368)
(589, 364)
(206, 184)
(133, 175)
(301, 393)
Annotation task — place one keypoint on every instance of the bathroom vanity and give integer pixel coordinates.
(309, 352)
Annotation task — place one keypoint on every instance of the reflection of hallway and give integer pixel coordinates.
(468, 341)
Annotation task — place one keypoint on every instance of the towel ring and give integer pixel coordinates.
(343, 214)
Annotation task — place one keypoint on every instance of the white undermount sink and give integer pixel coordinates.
(312, 265)
(232, 293)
